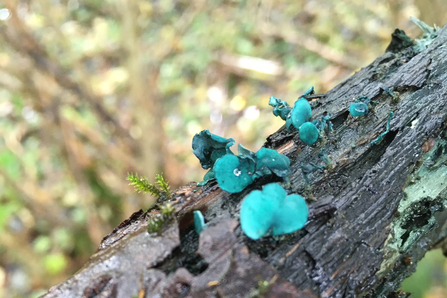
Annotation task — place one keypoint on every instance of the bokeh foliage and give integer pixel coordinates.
(91, 90)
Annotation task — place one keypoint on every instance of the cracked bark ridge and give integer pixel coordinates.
(116, 270)
(376, 207)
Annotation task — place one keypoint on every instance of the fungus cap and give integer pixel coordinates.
(309, 133)
(358, 109)
(234, 173)
(199, 222)
(301, 112)
(269, 160)
(208, 147)
(272, 209)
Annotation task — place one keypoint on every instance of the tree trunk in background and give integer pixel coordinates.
(372, 216)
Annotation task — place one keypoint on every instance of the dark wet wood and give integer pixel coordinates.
(356, 241)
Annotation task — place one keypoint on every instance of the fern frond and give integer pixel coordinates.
(142, 184)
(164, 184)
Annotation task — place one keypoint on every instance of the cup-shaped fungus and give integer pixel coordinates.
(209, 147)
(270, 161)
(234, 173)
(280, 107)
(301, 112)
(357, 109)
(309, 133)
(272, 209)
(199, 222)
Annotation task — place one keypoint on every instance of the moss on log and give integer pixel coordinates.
(377, 207)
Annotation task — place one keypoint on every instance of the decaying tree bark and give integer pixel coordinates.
(373, 215)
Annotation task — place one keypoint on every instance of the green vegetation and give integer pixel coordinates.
(142, 184)
(158, 221)
(92, 90)
(163, 184)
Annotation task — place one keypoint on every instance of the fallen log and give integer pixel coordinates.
(373, 214)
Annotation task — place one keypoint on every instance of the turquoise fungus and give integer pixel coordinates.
(360, 106)
(235, 172)
(272, 210)
(307, 169)
(270, 161)
(299, 114)
(280, 107)
(208, 147)
(302, 112)
(199, 222)
(309, 133)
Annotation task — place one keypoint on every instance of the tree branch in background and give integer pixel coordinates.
(19, 37)
(311, 44)
(373, 214)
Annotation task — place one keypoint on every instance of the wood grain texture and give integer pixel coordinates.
(377, 206)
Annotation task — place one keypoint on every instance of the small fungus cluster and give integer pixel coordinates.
(299, 116)
(272, 210)
(360, 106)
(235, 172)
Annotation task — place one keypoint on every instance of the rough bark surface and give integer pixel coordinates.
(373, 215)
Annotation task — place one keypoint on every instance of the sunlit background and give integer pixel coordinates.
(91, 90)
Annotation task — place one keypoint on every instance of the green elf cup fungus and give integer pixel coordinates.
(309, 133)
(245, 153)
(272, 209)
(209, 147)
(208, 176)
(280, 107)
(199, 222)
(358, 109)
(326, 159)
(234, 173)
(360, 106)
(307, 169)
(324, 124)
(309, 91)
(301, 112)
(270, 161)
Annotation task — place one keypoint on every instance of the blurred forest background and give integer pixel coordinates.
(91, 90)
